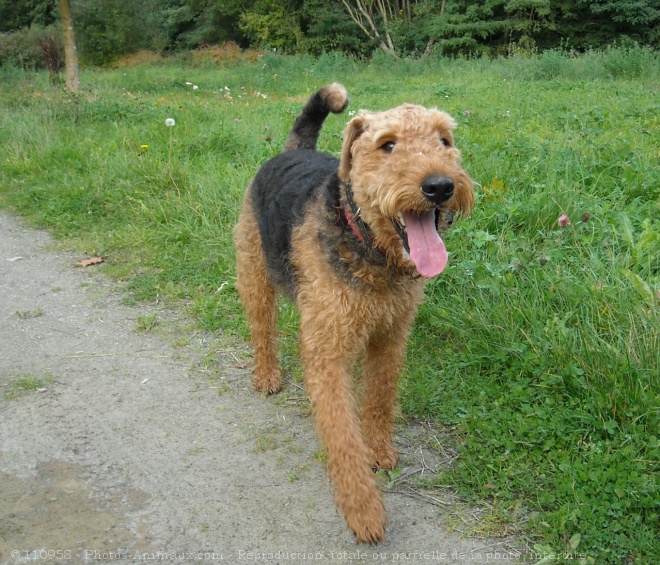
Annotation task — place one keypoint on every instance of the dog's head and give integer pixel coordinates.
(407, 180)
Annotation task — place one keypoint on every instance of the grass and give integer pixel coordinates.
(146, 323)
(539, 347)
(24, 385)
(29, 314)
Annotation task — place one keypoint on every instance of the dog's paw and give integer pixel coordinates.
(384, 457)
(367, 521)
(269, 383)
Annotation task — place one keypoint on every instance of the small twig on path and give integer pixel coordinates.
(407, 490)
(85, 355)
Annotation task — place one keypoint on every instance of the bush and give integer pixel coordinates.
(109, 29)
(223, 55)
(629, 60)
(551, 64)
(142, 57)
(329, 31)
(335, 62)
(268, 24)
(624, 61)
(36, 47)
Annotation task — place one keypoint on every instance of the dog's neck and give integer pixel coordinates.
(353, 217)
(351, 212)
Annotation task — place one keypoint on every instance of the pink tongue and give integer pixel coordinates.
(427, 250)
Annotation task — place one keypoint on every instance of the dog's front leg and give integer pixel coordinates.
(329, 347)
(382, 366)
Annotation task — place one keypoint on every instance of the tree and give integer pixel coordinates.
(416, 26)
(368, 14)
(17, 14)
(327, 28)
(272, 23)
(606, 20)
(109, 29)
(631, 12)
(70, 50)
(194, 23)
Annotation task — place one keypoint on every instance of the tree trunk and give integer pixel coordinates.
(70, 50)
(431, 41)
(429, 47)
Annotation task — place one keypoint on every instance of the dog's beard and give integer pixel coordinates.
(422, 241)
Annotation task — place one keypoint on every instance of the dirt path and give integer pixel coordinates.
(115, 448)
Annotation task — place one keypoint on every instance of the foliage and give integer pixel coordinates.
(596, 23)
(223, 55)
(375, 20)
(326, 29)
(36, 47)
(273, 24)
(537, 349)
(465, 26)
(110, 29)
(195, 23)
(625, 11)
(141, 57)
(18, 14)
(493, 26)
(630, 61)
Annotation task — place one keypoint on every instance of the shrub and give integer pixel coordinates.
(108, 29)
(36, 47)
(223, 55)
(335, 62)
(52, 51)
(142, 57)
(551, 64)
(629, 60)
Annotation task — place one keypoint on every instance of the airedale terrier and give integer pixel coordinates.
(350, 241)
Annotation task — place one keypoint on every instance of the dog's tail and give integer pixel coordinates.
(331, 98)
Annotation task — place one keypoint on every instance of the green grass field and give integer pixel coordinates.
(538, 347)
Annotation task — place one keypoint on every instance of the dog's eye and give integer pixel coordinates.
(388, 146)
(445, 142)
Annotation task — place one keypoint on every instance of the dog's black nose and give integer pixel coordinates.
(438, 188)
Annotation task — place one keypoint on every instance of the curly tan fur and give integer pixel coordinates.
(357, 299)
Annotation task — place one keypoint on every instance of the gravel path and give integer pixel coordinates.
(117, 446)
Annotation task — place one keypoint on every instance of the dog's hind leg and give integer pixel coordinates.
(259, 301)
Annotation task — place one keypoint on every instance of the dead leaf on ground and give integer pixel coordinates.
(89, 262)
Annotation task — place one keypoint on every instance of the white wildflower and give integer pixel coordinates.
(169, 122)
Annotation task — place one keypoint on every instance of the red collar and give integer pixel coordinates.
(351, 213)
(351, 223)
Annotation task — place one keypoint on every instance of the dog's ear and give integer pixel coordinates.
(354, 129)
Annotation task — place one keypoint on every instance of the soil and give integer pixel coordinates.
(127, 446)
